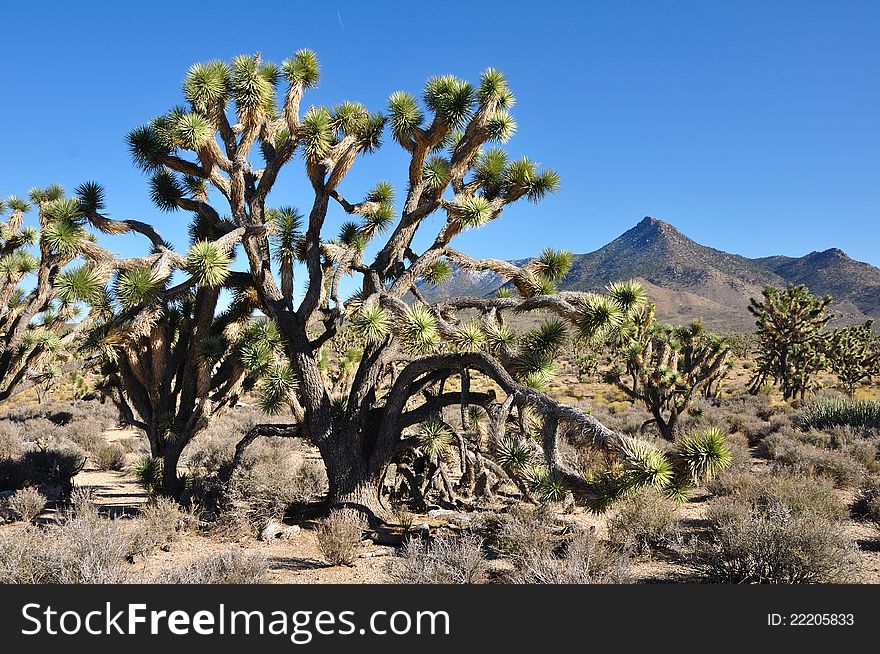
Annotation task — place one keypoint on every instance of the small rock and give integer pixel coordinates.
(277, 531)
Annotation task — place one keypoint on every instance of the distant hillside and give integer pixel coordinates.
(688, 280)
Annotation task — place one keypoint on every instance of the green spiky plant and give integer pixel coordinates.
(660, 366)
(792, 344)
(675, 470)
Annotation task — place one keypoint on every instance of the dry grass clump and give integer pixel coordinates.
(159, 523)
(10, 440)
(802, 495)
(339, 536)
(85, 549)
(867, 502)
(108, 456)
(442, 560)
(644, 521)
(810, 460)
(583, 560)
(264, 488)
(523, 530)
(27, 503)
(778, 530)
(272, 475)
(232, 567)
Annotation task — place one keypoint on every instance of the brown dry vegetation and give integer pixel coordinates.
(794, 506)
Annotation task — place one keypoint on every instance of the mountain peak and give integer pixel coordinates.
(688, 280)
(650, 230)
(649, 223)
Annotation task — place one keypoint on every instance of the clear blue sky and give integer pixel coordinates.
(751, 126)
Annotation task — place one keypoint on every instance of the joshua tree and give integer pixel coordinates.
(792, 345)
(854, 355)
(34, 323)
(413, 352)
(169, 359)
(657, 365)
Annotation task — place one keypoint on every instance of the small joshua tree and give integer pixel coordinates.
(170, 359)
(792, 344)
(854, 355)
(34, 323)
(659, 366)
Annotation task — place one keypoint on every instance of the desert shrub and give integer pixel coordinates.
(108, 456)
(585, 560)
(24, 556)
(865, 453)
(839, 411)
(867, 501)
(158, 523)
(811, 460)
(232, 567)
(758, 431)
(624, 417)
(523, 530)
(87, 432)
(52, 467)
(442, 560)
(10, 440)
(803, 495)
(270, 480)
(741, 455)
(339, 536)
(271, 476)
(28, 503)
(643, 521)
(776, 530)
(84, 549)
(91, 549)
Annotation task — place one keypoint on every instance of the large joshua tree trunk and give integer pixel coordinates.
(170, 456)
(351, 482)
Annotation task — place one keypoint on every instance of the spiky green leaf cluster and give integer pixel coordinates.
(418, 329)
(206, 86)
(372, 323)
(288, 222)
(451, 99)
(434, 439)
(80, 284)
(303, 68)
(439, 272)
(469, 337)
(471, 212)
(513, 454)
(704, 453)
(252, 85)
(18, 263)
(208, 263)
(549, 486)
(137, 287)
(500, 338)
(277, 384)
(645, 464)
